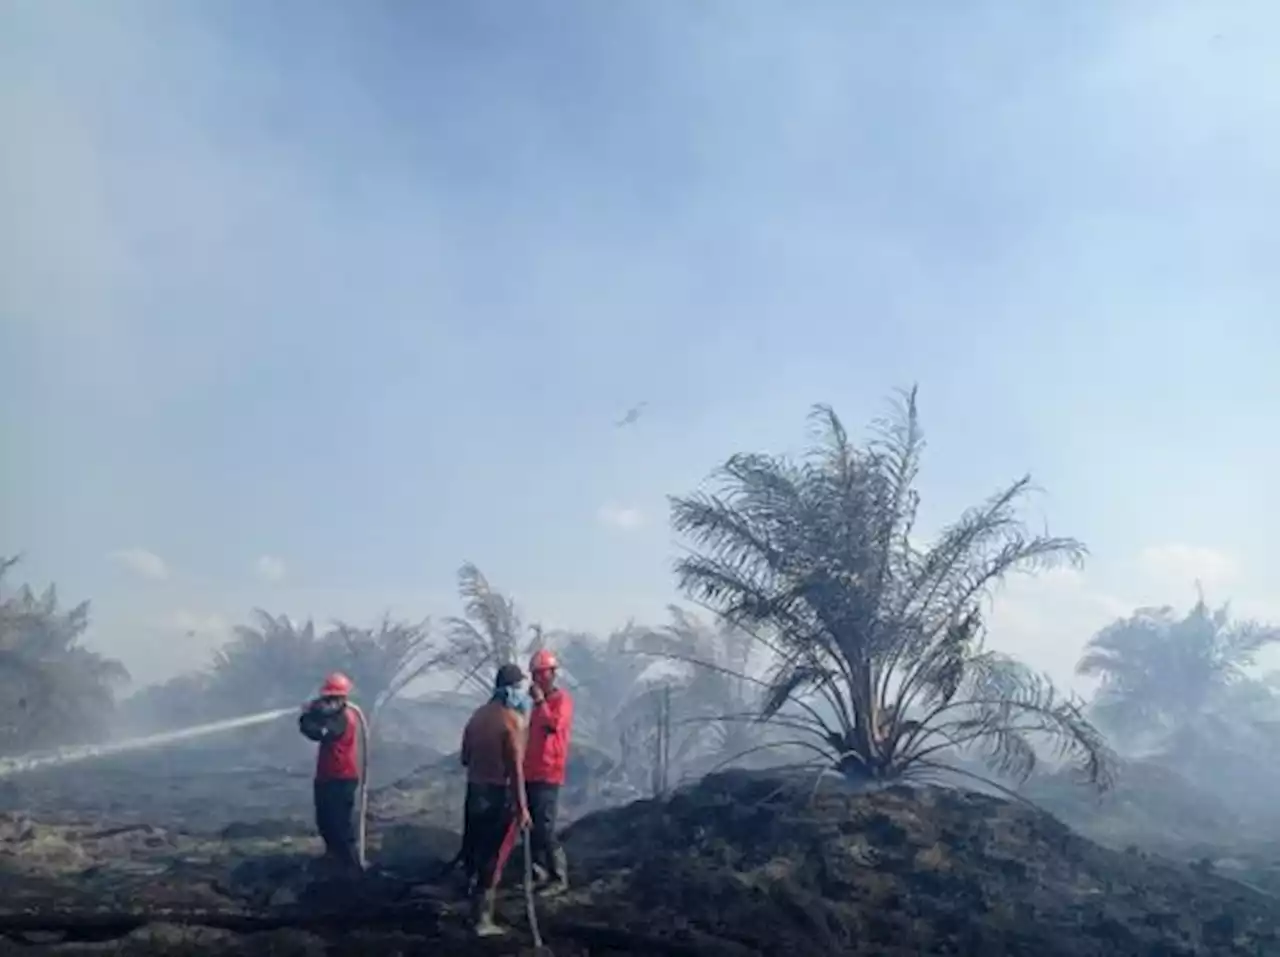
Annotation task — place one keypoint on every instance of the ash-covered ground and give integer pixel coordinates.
(182, 852)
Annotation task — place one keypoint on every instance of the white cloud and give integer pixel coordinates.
(1180, 565)
(141, 562)
(1047, 619)
(268, 568)
(621, 517)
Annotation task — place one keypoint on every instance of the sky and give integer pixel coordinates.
(304, 304)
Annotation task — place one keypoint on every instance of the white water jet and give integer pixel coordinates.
(86, 752)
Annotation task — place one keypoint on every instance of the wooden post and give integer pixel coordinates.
(662, 744)
(666, 739)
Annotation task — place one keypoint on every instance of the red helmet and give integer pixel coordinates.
(337, 685)
(543, 660)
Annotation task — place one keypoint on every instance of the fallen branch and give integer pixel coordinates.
(117, 831)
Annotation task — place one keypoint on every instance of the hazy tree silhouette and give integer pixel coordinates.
(181, 701)
(716, 700)
(274, 664)
(1162, 673)
(817, 557)
(608, 683)
(54, 690)
(382, 661)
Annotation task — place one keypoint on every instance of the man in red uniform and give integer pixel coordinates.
(546, 755)
(493, 745)
(336, 727)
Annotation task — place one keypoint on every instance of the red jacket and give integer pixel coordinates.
(338, 732)
(548, 749)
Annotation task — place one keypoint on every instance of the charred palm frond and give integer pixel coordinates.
(487, 636)
(879, 639)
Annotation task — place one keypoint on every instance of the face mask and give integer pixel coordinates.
(517, 699)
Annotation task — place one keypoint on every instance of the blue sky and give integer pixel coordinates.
(304, 304)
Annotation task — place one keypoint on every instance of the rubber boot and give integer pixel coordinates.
(558, 878)
(485, 903)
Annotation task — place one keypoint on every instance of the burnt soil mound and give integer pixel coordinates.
(743, 863)
(749, 857)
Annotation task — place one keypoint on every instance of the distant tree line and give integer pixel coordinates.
(833, 635)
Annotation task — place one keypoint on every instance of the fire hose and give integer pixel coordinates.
(362, 822)
(362, 813)
(531, 911)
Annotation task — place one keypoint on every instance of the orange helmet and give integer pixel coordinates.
(337, 685)
(543, 660)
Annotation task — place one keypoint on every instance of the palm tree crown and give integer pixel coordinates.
(819, 557)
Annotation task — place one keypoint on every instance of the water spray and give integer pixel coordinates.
(87, 752)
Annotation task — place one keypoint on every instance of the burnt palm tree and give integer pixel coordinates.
(879, 640)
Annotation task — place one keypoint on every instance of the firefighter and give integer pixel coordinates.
(336, 724)
(496, 808)
(546, 755)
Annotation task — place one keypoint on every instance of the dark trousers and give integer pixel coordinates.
(544, 804)
(335, 820)
(488, 833)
